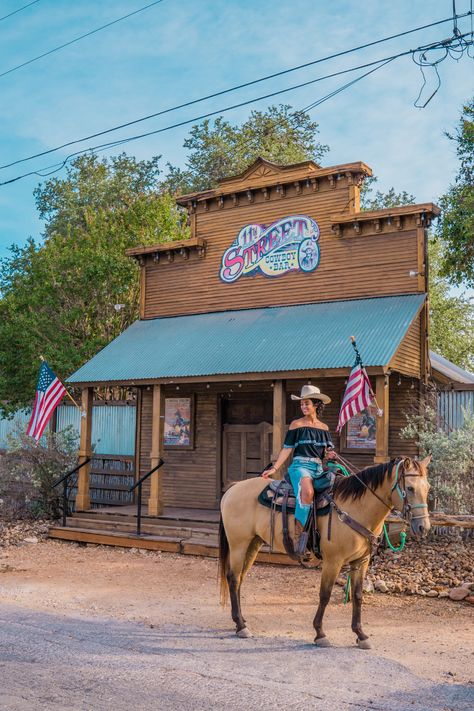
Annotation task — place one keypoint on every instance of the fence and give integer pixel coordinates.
(113, 443)
(451, 407)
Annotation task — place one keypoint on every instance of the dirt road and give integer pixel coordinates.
(428, 640)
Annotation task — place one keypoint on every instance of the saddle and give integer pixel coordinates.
(279, 497)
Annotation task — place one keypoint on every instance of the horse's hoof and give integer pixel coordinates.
(363, 644)
(244, 633)
(322, 642)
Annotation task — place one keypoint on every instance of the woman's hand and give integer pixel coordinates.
(267, 473)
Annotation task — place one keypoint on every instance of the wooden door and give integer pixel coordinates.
(246, 450)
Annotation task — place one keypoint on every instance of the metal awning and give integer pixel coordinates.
(266, 340)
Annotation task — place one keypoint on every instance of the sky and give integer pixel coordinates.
(179, 50)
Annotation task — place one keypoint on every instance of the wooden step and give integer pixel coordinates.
(155, 529)
(170, 544)
(128, 518)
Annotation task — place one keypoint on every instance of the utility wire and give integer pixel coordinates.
(5, 17)
(318, 102)
(77, 39)
(58, 166)
(104, 146)
(229, 90)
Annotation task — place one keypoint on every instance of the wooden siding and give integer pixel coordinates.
(403, 399)
(407, 359)
(364, 265)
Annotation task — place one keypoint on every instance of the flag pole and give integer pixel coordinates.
(359, 360)
(43, 360)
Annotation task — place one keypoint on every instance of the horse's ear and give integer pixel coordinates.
(425, 463)
(407, 463)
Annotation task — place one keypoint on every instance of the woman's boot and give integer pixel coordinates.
(301, 543)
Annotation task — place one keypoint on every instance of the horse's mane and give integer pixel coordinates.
(353, 486)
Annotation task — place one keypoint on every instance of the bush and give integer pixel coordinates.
(28, 470)
(452, 466)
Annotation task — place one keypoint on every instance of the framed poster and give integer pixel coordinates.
(179, 423)
(358, 435)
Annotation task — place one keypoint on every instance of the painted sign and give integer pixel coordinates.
(289, 244)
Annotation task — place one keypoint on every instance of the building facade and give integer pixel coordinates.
(281, 269)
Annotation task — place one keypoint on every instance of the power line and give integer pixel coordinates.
(104, 146)
(5, 17)
(229, 90)
(318, 102)
(381, 62)
(58, 166)
(77, 39)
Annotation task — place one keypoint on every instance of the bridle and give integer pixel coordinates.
(406, 508)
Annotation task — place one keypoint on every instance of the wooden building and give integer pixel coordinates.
(281, 269)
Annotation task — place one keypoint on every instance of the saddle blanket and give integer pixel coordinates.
(272, 497)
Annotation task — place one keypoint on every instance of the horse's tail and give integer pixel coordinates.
(223, 563)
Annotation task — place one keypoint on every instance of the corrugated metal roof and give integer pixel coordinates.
(305, 337)
(450, 370)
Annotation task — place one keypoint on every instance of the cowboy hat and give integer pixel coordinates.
(311, 392)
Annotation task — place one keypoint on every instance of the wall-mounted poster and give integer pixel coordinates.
(359, 433)
(179, 423)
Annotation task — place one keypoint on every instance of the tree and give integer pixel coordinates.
(219, 149)
(451, 316)
(379, 200)
(58, 296)
(456, 227)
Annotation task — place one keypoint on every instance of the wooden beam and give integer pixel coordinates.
(382, 392)
(83, 501)
(279, 417)
(155, 501)
(321, 373)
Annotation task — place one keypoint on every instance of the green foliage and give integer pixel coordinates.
(452, 466)
(456, 226)
(58, 297)
(219, 149)
(28, 471)
(451, 317)
(370, 200)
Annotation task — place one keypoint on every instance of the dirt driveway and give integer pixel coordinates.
(433, 638)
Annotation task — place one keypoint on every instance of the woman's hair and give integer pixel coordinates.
(318, 405)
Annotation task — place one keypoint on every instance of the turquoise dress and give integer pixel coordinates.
(309, 445)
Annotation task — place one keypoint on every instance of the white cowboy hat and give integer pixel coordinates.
(311, 392)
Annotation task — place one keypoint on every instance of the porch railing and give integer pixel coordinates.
(138, 486)
(64, 480)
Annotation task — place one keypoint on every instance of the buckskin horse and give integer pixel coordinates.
(365, 499)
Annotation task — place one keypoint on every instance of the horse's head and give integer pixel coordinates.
(410, 493)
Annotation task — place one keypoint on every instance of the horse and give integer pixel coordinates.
(366, 497)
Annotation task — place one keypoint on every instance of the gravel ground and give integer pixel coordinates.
(432, 638)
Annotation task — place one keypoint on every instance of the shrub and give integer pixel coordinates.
(28, 470)
(452, 466)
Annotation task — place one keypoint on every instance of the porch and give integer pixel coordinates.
(177, 530)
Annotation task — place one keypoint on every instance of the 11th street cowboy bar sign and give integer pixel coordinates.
(289, 244)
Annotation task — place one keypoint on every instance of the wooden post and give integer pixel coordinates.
(279, 417)
(83, 501)
(155, 501)
(382, 392)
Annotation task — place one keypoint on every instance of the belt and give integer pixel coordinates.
(308, 459)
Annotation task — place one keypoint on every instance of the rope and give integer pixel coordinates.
(403, 537)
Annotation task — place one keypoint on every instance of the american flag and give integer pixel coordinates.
(49, 391)
(358, 395)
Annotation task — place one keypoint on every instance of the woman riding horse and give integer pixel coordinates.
(309, 441)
